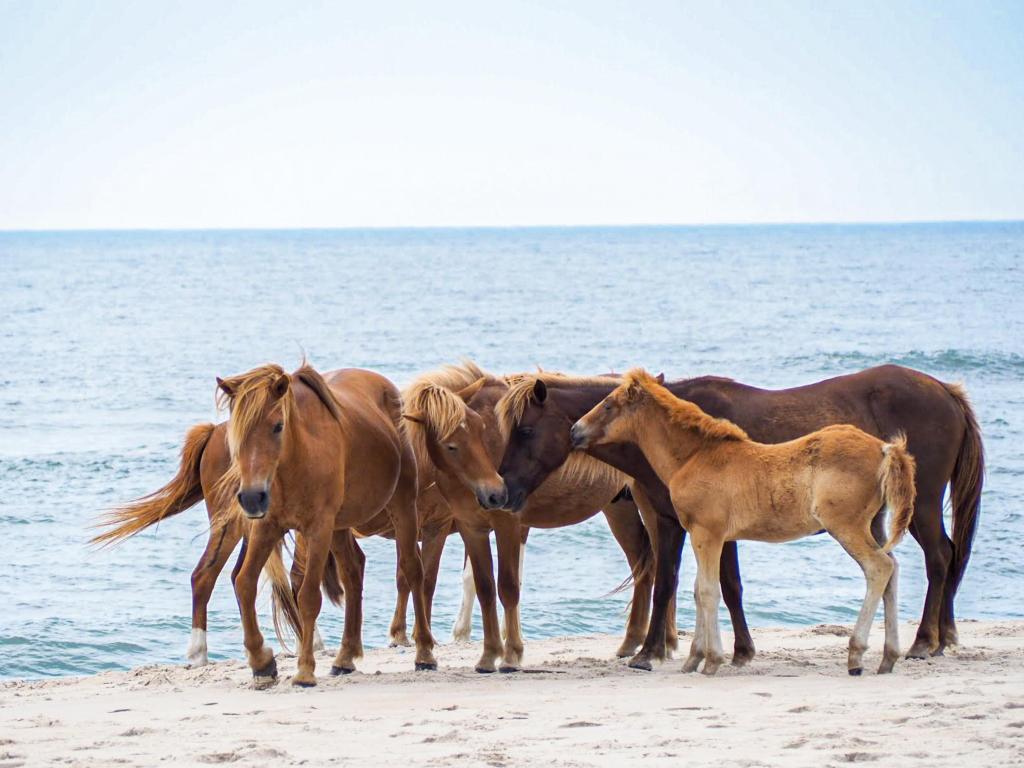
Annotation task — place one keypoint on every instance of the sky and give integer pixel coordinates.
(356, 114)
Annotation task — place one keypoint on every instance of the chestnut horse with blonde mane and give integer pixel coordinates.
(320, 455)
(725, 486)
(458, 443)
(205, 459)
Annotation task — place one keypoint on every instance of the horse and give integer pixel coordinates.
(725, 486)
(942, 433)
(456, 437)
(205, 458)
(321, 455)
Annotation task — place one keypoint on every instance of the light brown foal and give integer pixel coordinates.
(726, 487)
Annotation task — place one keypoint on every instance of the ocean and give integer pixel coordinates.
(110, 342)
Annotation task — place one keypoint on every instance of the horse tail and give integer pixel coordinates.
(965, 487)
(331, 583)
(896, 481)
(644, 568)
(183, 491)
(283, 607)
(283, 602)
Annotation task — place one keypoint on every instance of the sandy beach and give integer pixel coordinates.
(572, 706)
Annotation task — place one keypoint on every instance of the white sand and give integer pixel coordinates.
(795, 706)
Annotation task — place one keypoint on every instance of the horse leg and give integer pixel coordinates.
(628, 529)
(261, 542)
(463, 627)
(927, 527)
(434, 540)
(403, 516)
(732, 591)
(670, 537)
(697, 649)
(708, 549)
(204, 578)
(397, 631)
(309, 601)
(351, 564)
(510, 551)
(891, 650)
(878, 570)
(295, 575)
(478, 548)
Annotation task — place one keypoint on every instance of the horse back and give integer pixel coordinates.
(881, 401)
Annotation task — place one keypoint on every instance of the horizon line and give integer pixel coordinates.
(442, 227)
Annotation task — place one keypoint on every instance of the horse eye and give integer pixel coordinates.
(452, 447)
(607, 406)
(526, 431)
(278, 427)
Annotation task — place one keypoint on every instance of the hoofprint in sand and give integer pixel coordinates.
(794, 705)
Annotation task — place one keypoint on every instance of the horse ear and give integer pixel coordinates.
(280, 387)
(413, 419)
(660, 378)
(540, 391)
(225, 387)
(467, 393)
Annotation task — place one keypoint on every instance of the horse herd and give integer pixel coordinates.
(342, 455)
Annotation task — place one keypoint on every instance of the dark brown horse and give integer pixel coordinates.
(941, 429)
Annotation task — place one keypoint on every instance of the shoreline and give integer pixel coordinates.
(573, 705)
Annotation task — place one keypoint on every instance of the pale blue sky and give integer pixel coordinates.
(257, 114)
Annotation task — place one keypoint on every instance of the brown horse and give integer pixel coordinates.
(725, 487)
(942, 435)
(205, 459)
(456, 437)
(321, 455)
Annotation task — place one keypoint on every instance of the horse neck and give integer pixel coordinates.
(666, 445)
(576, 401)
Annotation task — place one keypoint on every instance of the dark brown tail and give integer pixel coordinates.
(965, 488)
(644, 568)
(182, 492)
(896, 478)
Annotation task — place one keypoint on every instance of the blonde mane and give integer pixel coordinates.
(680, 412)
(512, 405)
(252, 393)
(432, 401)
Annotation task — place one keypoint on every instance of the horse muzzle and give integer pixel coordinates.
(492, 498)
(254, 502)
(579, 436)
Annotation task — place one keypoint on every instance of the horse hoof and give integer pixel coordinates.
(426, 666)
(918, 651)
(265, 677)
(856, 671)
(506, 669)
(644, 664)
(336, 671)
(303, 683)
(484, 670)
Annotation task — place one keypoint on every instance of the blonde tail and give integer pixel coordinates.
(896, 481)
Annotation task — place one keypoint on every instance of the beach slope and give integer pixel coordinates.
(574, 706)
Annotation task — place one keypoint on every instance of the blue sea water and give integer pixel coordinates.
(110, 341)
